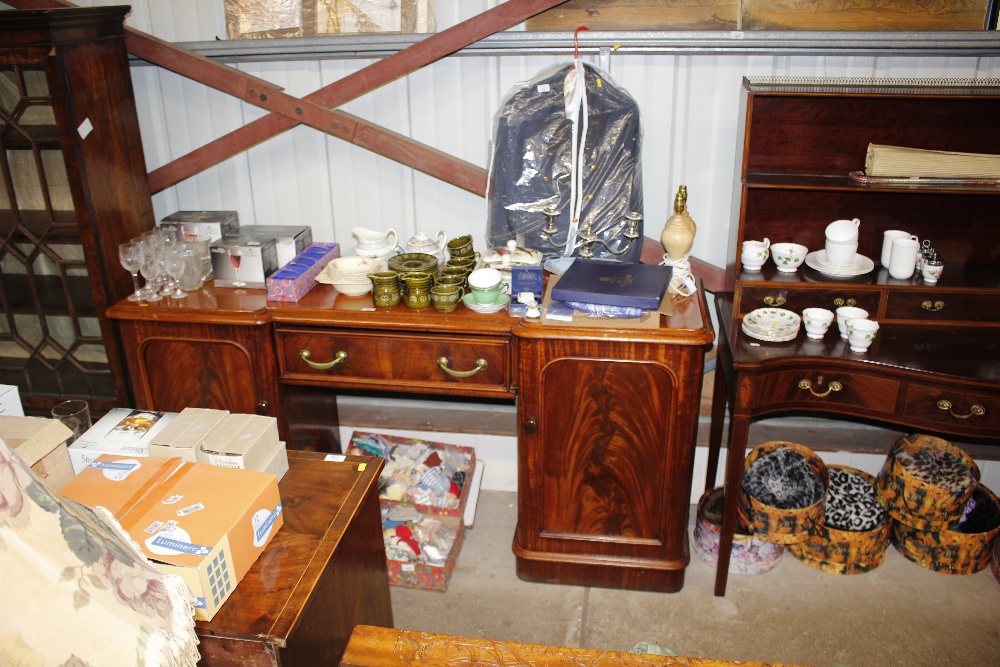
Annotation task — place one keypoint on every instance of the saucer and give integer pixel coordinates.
(486, 308)
(860, 266)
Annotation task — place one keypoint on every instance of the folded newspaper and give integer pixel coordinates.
(897, 161)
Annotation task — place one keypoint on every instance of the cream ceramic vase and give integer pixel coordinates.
(678, 233)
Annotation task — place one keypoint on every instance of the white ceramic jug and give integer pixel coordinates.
(372, 239)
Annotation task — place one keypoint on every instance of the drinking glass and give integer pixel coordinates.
(235, 258)
(151, 271)
(130, 256)
(169, 241)
(175, 259)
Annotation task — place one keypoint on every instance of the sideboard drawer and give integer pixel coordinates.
(444, 363)
(842, 390)
(961, 410)
(796, 299)
(932, 305)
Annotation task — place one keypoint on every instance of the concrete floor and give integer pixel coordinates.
(898, 614)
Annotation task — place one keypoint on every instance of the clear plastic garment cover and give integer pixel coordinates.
(571, 155)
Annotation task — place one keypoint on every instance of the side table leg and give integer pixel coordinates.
(738, 430)
(720, 403)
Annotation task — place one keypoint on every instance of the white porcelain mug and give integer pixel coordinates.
(861, 333)
(903, 258)
(887, 238)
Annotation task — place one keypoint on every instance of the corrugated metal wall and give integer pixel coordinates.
(688, 102)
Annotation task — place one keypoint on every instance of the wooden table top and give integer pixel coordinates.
(319, 499)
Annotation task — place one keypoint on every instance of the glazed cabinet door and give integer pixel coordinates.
(605, 447)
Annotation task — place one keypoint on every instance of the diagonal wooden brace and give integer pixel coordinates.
(288, 111)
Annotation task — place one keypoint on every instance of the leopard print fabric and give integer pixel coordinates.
(940, 468)
(783, 479)
(850, 502)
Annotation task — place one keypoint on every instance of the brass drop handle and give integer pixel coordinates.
(933, 307)
(974, 411)
(774, 301)
(838, 302)
(442, 363)
(833, 386)
(339, 358)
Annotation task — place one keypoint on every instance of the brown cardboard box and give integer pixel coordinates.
(183, 436)
(41, 444)
(204, 523)
(246, 442)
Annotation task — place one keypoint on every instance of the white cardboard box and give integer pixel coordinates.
(123, 431)
(184, 434)
(10, 401)
(247, 442)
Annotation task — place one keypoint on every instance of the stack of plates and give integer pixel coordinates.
(350, 274)
(774, 325)
(860, 266)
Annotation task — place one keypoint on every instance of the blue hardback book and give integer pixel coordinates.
(613, 283)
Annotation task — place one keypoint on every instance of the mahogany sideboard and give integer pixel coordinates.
(321, 575)
(607, 418)
(935, 363)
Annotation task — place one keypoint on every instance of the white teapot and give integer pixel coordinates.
(429, 245)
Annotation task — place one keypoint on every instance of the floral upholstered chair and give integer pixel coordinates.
(76, 592)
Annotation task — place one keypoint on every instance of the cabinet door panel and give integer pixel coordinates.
(198, 373)
(603, 459)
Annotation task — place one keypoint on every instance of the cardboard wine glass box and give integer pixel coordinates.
(204, 523)
(214, 224)
(124, 431)
(289, 240)
(244, 262)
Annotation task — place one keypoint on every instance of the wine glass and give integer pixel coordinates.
(168, 241)
(130, 256)
(235, 258)
(174, 260)
(150, 269)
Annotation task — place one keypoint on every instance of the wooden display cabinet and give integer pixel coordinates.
(72, 187)
(935, 363)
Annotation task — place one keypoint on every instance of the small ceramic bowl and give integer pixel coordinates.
(788, 257)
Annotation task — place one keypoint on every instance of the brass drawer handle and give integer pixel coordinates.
(833, 386)
(933, 307)
(838, 302)
(974, 411)
(774, 301)
(442, 363)
(339, 358)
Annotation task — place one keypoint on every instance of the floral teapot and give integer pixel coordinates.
(429, 245)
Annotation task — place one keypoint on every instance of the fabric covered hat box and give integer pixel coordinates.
(749, 554)
(854, 534)
(781, 496)
(423, 492)
(946, 520)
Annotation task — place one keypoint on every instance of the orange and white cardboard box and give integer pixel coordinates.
(184, 434)
(122, 431)
(204, 523)
(10, 401)
(41, 444)
(246, 442)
